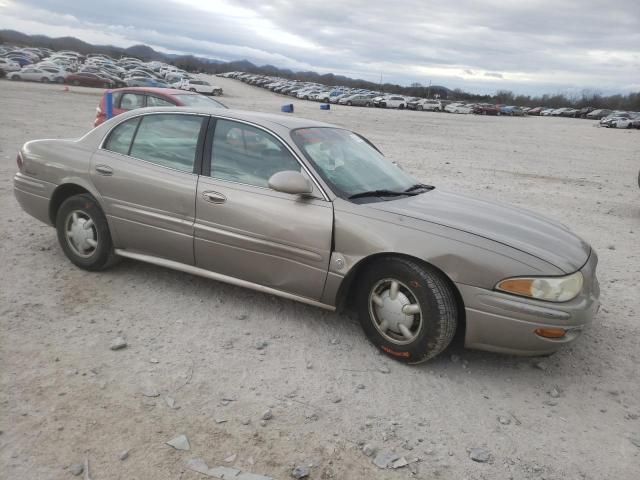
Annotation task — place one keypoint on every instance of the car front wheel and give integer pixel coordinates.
(406, 309)
(84, 234)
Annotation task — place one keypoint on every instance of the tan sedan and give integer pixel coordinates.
(314, 213)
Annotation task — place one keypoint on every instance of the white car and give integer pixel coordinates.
(200, 86)
(394, 101)
(9, 65)
(429, 105)
(33, 75)
(458, 108)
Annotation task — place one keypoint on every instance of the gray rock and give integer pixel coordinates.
(170, 401)
(399, 463)
(479, 455)
(267, 414)
(504, 420)
(223, 472)
(261, 345)
(368, 450)
(154, 360)
(385, 459)
(124, 455)
(76, 469)
(245, 421)
(554, 393)
(231, 458)
(455, 358)
(118, 344)
(179, 443)
(635, 440)
(150, 392)
(198, 465)
(263, 423)
(300, 472)
(541, 366)
(336, 399)
(384, 369)
(309, 365)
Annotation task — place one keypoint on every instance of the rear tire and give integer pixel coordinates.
(420, 108)
(349, 103)
(15, 77)
(83, 233)
(44, 80)
(412, 336)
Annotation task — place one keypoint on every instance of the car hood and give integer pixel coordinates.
(518, 228)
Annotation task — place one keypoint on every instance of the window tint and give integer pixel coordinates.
(245, 154)
(131, 100)
(158, 102)
(120, 138)
(168, 140)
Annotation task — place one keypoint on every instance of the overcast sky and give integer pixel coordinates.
(528, 46)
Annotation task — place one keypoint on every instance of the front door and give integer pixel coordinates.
(248, 231)
(145, 175)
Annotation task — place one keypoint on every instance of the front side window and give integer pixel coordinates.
(168, 140)
(120, 137)
(349, 163)
(131, 101)
(245, 154)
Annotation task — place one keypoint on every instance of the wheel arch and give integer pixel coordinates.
(67, 189)
(346, 291)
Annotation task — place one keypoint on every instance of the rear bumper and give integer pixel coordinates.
(33, 196)
(506, 323)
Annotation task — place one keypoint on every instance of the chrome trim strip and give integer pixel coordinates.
(162, 262)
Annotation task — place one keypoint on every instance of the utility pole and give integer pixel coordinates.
(428, 88)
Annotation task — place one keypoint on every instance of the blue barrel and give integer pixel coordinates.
(288, 108)
(325, 106)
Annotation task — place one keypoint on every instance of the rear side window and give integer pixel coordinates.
(168, 140)
(130, 101)
(120, 138)
(158, 102)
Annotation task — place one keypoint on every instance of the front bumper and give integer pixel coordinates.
(504, 323)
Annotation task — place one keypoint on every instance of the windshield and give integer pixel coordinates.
(349, 163)
(195, 100)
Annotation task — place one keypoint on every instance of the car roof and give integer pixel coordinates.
(265, 119)
(156, 90)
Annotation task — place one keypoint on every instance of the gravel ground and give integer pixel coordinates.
(66, 396)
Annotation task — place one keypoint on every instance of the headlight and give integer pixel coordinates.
(552, 289)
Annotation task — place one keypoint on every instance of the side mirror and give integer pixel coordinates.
(290, 182)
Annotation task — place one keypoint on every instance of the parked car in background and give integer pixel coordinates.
(85, 79)
(394, 101)
(486, 109)
(8, 65)
(598, 114)
(125, 99)
(357, 100)
(511, 111)
(458, 108)
(535, 111)
(425, 104)
(32, 74)
(200, 86)
(146, 82)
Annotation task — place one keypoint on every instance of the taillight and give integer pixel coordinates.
(19, 161)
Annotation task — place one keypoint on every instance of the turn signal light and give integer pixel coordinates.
(551, 332)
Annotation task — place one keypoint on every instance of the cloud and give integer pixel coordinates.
(536, 45)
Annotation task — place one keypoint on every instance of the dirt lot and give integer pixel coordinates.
(64, 395)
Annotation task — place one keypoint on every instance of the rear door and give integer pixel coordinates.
(145, 173)
(248, 231)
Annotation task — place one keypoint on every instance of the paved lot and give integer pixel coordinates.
(64, 395)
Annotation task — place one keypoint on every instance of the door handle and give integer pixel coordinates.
(214, 197)
(104, 170)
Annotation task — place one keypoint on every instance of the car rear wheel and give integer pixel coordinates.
(84, 234)
(349, 103)
(192, 89)
(401, 106)
(406, 309)
(419, 108)
(44, 80)
(15, 77)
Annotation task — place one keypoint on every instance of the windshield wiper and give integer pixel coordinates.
(419, 186)
(379, 193)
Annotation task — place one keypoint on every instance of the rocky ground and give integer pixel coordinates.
(265, 385)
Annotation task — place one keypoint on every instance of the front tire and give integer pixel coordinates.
(406, 309)
(83, 233)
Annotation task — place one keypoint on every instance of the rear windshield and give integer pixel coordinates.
(192, 100)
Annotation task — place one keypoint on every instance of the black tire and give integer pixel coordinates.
(44, 80)
(420, 108)
(401, 106)
(435, 325)
(349, 103)
(368, 104)
(192, 89)
(15, 77)
(76, 83)
(102, 256)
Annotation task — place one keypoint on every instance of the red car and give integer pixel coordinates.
(125, 99)
(87, 79)
(486, 109)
